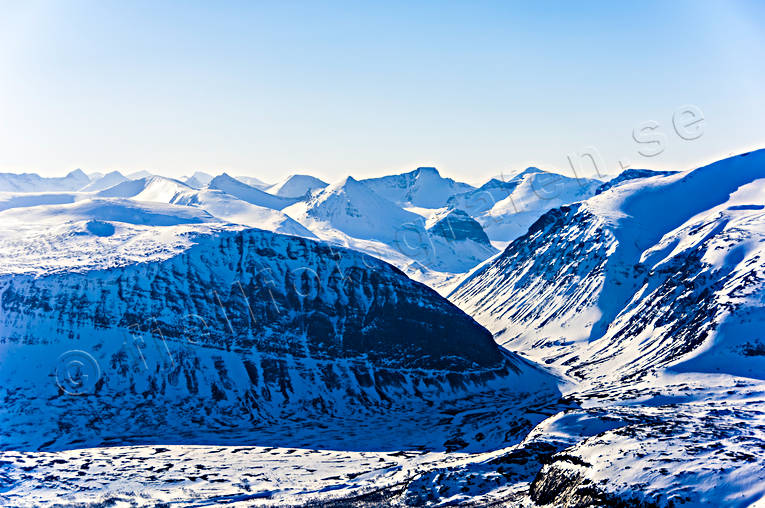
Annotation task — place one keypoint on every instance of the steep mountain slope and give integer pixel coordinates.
(351, 207)
(32, 182)
(534, 192)
(254, 196)
(647, 274)
(195, 333)
(453, 224)
(479, 201)
(348, 213)
(296, 186)
(423, 187)
(198, 180)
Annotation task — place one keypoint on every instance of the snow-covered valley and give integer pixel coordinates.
(217, 340)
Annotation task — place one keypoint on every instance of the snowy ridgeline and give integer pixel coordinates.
(145, 316)
(433, 228)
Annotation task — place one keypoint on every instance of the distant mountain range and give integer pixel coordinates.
(393, 217)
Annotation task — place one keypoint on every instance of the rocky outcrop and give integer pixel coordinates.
(456, 225)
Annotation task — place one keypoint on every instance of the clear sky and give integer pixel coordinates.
(477, 89)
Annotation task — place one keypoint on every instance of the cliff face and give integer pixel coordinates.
(456, 225)
(242, 330)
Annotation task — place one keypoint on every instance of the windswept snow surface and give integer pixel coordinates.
(96, 234)
(228, 208)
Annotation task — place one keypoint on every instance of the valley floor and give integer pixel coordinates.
(676, 440)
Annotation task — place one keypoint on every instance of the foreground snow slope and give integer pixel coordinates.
(129, 322)
(657, 271)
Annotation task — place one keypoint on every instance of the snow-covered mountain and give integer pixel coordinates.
(296, 186)
(104, 182)
(186, 330)
(478, 201)
(230, 209)
(456, 225)
(349, 213)
(351, 207)
(152, 188)
(223, 206)
(198, 180)
(423, 187)
(631, 174)
(655, 271)
(32, 182)
(137, 175)
(253, 182)
(523, 199)
(305, 373)
(251, 195)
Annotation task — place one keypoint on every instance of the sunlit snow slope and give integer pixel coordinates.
(666, 270)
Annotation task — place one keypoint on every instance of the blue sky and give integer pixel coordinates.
(335, 88)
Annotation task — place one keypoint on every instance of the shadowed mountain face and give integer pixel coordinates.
(456, 225)
(243, 330)
(639, 277)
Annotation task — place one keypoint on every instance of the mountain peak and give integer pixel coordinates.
(296, 186)
(427, 170)
(224, 177)
(77, 173)
(423, 187)
(230, 185)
